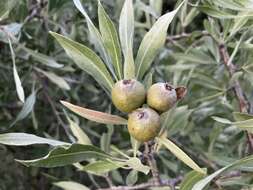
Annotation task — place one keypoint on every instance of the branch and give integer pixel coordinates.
(167, 183)
(243, 103)
(149, 155)
(186, 35)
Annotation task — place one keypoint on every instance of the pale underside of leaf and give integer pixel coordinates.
(126, 33)
(152, 42)
(96, 116)
(19, 87)
(70, 185)
(24, 139)
(110, 39)
(87, 60)
(96, 37)
(82, 137)
(27, 108)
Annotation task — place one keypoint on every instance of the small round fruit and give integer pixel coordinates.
(144, 124)
(161, 96)
(127, 95)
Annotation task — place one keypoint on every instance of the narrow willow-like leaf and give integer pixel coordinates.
(70, 185)
(126, 34)
(61, 156)
(180, 154)
(27, 108)
(87, 60)
(221, 14)
(242, 123)
(95, 37)
(239, 116)
(96, 116)
(239, 163)
(190, 179)
(19, 87)
(24, 139)
(110, 39)
(152, 42)
(81, 136)
(59, 81)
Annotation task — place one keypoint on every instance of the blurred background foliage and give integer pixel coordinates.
(190, 57)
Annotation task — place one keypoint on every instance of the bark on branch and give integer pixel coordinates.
(243, 103)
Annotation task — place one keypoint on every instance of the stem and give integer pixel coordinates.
(167, 183)
(243, 103)
(149, 155)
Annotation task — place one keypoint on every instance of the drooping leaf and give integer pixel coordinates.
(126, 34)
(61, 156)
(238, 164)
(86, 59)
(180, 154)
(95, 36)
(19, 87)
(96, 116)
(27, 108)
(24, 139)
(70, 185)
(110, 39)
(152, 42)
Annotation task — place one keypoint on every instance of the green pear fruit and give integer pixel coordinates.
(144, 124)
(127, 95)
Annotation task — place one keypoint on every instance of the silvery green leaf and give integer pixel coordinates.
(27, 108)
(126, 34)
(19, 87)
(174, 149)
(96, 116)
(101, 167)
(132, 177)
(95, 37)
(24, 139)
(152, 42)
(82, 137)
(190, 179)
(110, 39)
(62, 156)
(237, 164)
(86, 59)
(221, 14)
(70, 185)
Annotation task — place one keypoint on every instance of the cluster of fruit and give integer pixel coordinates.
(144, 122)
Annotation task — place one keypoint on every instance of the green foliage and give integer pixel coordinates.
(203, 45)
